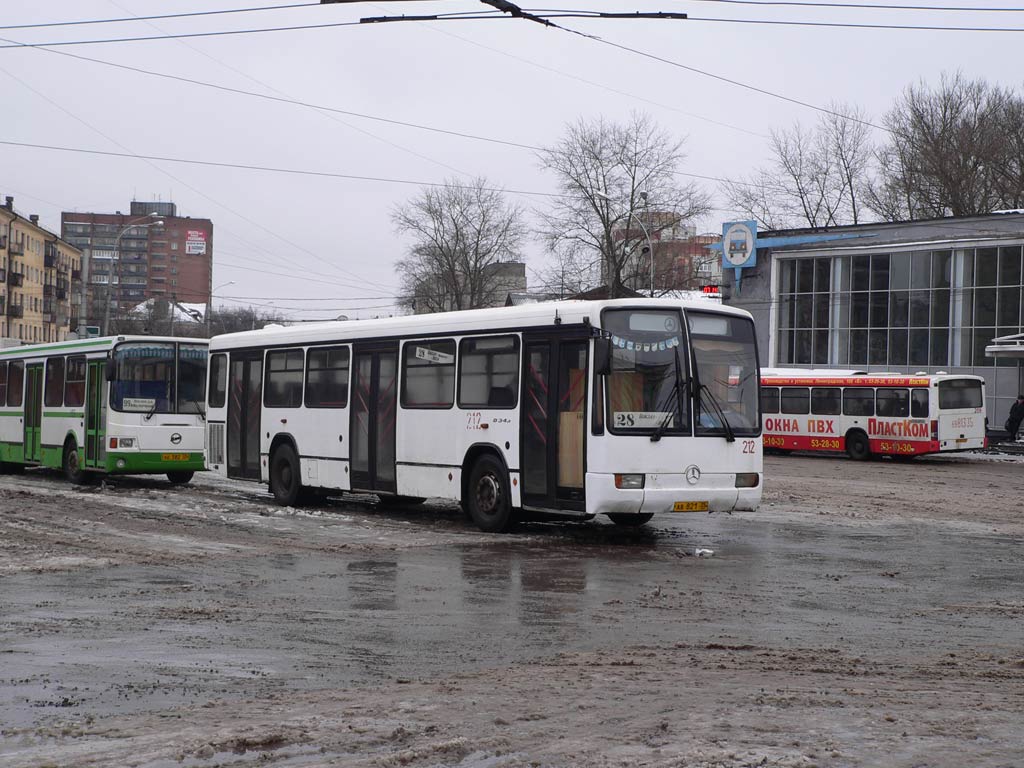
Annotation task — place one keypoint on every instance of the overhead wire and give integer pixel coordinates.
(157, 17)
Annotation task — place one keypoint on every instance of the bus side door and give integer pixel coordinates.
(33, 412)
(95, 449)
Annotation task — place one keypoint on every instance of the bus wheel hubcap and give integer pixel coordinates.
(487, 494)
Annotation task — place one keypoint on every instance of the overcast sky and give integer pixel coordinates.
(319, 246)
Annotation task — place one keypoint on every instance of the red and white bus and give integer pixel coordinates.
(869, 414)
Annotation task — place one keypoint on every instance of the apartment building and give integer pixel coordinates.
(149, 253)
(40, 275)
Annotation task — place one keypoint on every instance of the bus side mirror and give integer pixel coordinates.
(602, 356)
(111, 369)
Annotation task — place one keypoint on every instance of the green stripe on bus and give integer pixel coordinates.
(40, 350)
(63, 414)
(12, 413)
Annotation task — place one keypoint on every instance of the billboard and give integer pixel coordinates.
(195, 242)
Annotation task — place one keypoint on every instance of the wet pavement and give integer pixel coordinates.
(345, 598)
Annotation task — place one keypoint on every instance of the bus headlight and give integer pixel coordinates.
(122, 442)
(633, 482)
(747, 479)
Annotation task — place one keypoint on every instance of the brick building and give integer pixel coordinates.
(149, 253)
(39, 280)
(681, 258)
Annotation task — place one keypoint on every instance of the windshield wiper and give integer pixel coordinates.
(730, 437)
(199, 408)
(153, 409)
(676, 393)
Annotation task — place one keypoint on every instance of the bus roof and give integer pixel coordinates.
(493, 320)
(92, 344)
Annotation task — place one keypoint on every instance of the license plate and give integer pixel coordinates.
(175, 456)
(690, 506)
(961, 440)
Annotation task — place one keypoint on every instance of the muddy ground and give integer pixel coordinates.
(868, 614)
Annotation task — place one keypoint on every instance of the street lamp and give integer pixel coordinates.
(209, 306)
(117, 258)
(643, 228)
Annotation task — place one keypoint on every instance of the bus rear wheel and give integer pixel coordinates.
(857, 446)
(488, 500)
(180, 476)
(631, 520)
(72, 467)
(285, 480)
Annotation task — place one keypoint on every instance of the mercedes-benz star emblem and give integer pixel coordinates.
(693, 474)
(176, 438)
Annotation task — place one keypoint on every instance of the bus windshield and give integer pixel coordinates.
(150, 378)
(727, 381)
(648, 362)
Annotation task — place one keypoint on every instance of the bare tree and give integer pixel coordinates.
(616, 180)
(461, 234)
(950, 151)
(816, 176)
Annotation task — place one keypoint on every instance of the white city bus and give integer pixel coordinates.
(624, 408)
(869, 414)
(119, 405)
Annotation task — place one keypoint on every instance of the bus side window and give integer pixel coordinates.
(218, 380)
(826, 401)
(858, 402)
(54, 394)
(893, 402)
(284, 379)
(796, 400)
(769, 399)
(3, 383)
(74, 388)
(489, 372)
(327, 377)
(428, 375)
(919, 403)
(15, 382)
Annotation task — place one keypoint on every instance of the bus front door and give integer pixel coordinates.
(553, 423)
(33, 413)
(245, 397)
(374, 405)
(95, 449)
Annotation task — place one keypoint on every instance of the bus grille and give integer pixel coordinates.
(215, 444)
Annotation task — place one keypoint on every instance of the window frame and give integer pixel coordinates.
(67, 380)
(267, 371)
(347, 349)
(914, 403)
(887, 398)
(777, 396)
(782, 400)
(409, 345)
(3, 383)
(839, 401)
(517, 348)
(19, 392)
(869, 391)
(50, 387)
(213, 386)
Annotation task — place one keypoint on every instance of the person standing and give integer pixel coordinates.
(1016, 417)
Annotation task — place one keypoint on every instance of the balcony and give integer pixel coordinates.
(49, 317)
(3, 275)
(50, 259)
(17, 249)
(15, 280)
(76, 274)
(15, 310)
(49, 290)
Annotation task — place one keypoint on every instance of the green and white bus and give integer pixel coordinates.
(115, 405)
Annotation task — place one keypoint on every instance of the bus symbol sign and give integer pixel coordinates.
(176, 438)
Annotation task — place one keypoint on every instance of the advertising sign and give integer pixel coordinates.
(195, 243)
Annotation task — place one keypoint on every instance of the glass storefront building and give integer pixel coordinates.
(918, 296)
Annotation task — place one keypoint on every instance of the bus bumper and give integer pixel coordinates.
(139, 463)
(666, 493)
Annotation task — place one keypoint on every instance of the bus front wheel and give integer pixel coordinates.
(285, 480)
(180, 476)
(72, 465)
(857, 446)
(488, 500)
(630, 520)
